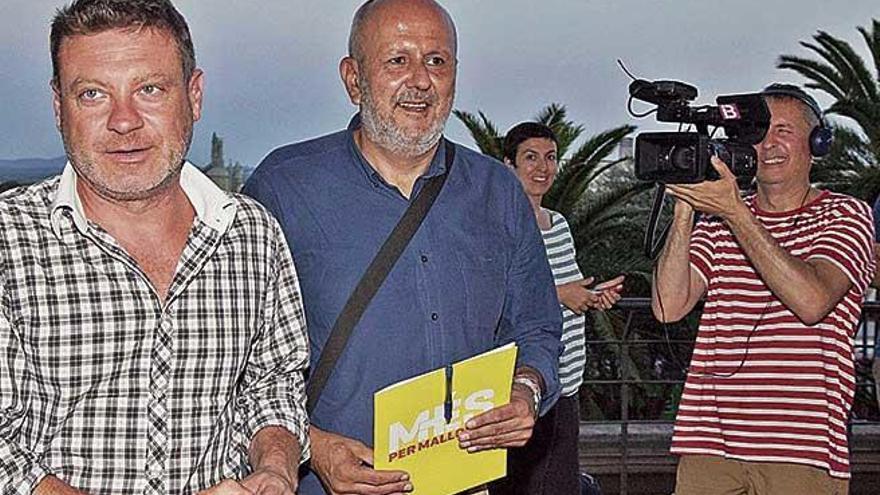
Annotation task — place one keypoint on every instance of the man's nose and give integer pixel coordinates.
(419, 77)
(124, 116)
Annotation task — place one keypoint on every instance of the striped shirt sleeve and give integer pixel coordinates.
(702, 248)
(847, 243)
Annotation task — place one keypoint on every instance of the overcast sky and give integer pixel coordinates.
(271, 65)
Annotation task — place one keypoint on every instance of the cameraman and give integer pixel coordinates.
(784, 272)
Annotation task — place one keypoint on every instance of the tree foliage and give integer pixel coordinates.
(853, 166)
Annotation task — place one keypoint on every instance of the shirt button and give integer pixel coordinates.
(434, 316)
(424, 259)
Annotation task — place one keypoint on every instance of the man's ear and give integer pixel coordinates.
(195, 92)
(348, 71)
(56, 101)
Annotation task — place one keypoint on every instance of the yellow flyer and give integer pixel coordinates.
(417, 420)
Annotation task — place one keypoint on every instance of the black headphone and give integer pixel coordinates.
(821, 136)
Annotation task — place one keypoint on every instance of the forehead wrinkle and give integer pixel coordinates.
(804, 112)
(113, 60)
(153, 76)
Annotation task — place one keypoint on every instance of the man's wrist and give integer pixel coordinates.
(738, 214)
(276, 451)
(534, 388)
(683, 212)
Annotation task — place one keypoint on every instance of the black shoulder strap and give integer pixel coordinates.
(373, 278)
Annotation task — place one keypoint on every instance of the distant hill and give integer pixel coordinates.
(27, 170)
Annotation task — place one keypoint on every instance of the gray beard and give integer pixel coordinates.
(386, 134)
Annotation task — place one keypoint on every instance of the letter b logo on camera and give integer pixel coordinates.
(729, 112)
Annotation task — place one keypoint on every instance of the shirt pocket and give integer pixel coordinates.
(485, 284)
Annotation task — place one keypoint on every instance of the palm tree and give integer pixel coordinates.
(853, 166)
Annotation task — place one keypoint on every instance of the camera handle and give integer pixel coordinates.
(652, 247)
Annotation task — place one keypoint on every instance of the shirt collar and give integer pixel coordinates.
(437, 167)
(66, 198)
(213, 206)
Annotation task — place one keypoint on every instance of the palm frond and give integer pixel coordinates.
(554, 116)
(588, 163)
(872, 40)
(599, 146)
(484, 132)
(820, 76)
(855, 75)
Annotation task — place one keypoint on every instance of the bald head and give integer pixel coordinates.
(401, 73)
(380, 11)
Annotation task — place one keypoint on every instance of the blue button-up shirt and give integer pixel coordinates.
(473, 277)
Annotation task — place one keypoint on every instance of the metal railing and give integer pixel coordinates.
(642, 353)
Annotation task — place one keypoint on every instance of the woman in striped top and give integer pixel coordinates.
(549, 462)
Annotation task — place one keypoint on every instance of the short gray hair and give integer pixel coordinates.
(807, 112)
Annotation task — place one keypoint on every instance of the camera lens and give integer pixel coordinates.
(683, 157)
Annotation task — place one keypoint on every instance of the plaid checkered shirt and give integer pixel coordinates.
(115, 391)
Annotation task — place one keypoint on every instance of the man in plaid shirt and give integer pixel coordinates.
(152, 338)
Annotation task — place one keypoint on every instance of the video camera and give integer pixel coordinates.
(683, 157)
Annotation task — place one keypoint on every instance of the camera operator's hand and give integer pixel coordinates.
(718, 197)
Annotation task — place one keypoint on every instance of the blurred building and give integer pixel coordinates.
(229, 177)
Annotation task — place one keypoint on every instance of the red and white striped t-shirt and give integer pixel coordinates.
(762, 385)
